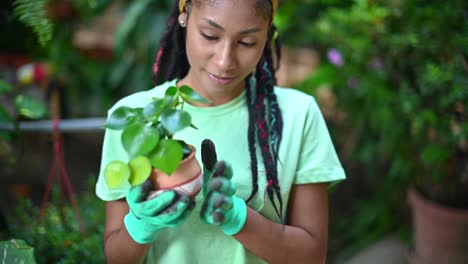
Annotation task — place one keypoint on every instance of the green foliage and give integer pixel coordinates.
(95, 79)
(29, 107)
(24, 107)
(401, 82)
(5, 87)
(135, 10)
(147, 135)
(16, 251)
(57, 239)
(34, 14)
(399, 72)
(140, 169)
(166, 156)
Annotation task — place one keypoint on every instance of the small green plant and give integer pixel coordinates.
(147, 136)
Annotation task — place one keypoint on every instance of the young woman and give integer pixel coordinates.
(269, 201)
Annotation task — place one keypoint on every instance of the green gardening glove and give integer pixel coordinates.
(147, 217)
(209, 159)
(221, 207)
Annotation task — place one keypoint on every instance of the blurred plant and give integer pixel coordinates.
(39, 15)
(24, 107)
(57, 239)
(34, 14)
(399, 72)
(95, 79)
(16, 251)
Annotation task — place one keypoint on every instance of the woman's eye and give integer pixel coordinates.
(247, 44)
(208, 37)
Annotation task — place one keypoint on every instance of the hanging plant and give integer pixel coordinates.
(33, 13)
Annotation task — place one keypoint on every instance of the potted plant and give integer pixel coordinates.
(401, 96)
(438, 195)
(148, 138)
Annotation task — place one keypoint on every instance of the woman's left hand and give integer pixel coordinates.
(221, 207)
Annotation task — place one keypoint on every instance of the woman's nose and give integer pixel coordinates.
(226, 58)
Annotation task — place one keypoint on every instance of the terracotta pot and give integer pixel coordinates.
(440, 233)
(187, 178)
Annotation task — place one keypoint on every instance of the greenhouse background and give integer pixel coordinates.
(390, 77)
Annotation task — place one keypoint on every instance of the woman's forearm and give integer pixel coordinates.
(276, 243)
(119, 247)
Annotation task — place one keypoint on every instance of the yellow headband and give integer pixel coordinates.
(182, 4)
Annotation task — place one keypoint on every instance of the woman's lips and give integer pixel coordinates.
(220, 80)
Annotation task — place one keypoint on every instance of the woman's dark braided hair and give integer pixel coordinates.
(265, 121)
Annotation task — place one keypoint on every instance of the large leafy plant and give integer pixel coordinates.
(147, 136)
(396, 74)
(403, 91)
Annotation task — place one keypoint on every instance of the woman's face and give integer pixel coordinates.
(225, 40)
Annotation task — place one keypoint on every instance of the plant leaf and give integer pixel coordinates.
(139, 114)
(5, 87)
(139, 139)
(34, 14)
(5, 116)
(116, 173)
(134, 13)
(16, 251)
(30, 107)
(153, 109)
(120, 118)
(167, 156)
(170, 97)
(434, 154)
(190, 95)
(140, 168)
(174, 120)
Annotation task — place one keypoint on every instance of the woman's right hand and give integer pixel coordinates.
(147, 217)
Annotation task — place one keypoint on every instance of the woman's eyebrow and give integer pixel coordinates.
(216, 25)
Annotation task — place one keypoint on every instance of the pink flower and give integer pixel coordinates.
(335, 57)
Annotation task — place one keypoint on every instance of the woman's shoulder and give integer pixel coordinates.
(141, 98)
(293, 98)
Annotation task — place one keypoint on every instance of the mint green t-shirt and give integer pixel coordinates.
(306, 155)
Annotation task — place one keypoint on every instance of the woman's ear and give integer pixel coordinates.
(183, 19)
